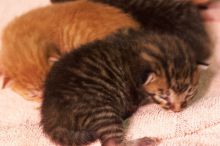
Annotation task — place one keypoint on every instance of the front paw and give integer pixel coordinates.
(146, 141)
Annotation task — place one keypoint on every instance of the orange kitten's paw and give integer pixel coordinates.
(146, 141)
(31, 95)
(35, 96)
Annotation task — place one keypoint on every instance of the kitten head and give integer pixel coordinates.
(174, 75)
(173, 94)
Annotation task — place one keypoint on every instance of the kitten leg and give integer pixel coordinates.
(138, 142)
(109, 128)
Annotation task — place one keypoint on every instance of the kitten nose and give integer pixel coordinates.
(176, 108)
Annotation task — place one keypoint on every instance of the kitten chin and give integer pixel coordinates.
(51, 32)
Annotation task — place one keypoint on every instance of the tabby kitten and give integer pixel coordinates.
(177, 17)
(89, 100)
(33, 41)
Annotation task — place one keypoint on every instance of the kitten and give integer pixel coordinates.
(32, 41)
(180, 18)
(158, 66)
(170, 17)
(89, 100)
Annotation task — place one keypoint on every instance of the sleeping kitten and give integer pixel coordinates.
(170, 17)
(164, 58)
(33, 41)
(177, 17)
(89, 100)
(180, 18)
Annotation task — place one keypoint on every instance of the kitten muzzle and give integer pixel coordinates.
(176, 108)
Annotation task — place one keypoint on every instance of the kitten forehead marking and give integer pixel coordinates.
(167, 96)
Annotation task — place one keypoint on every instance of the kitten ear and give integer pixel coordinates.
(202, 66)
(52, 60)
(151, 77)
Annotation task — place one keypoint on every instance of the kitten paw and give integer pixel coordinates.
(146, 141)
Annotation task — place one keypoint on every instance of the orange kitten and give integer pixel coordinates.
(31, 42)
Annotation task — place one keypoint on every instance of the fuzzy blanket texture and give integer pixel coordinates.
(198, 125)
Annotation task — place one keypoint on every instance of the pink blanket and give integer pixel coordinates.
(199, 124)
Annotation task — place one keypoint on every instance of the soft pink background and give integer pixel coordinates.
(199, 124)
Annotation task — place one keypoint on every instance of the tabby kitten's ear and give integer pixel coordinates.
(151, 77)
(202, 66)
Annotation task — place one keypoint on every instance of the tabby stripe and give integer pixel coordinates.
(119, 95)
(109, 108)
(153, 54)
(81, 74)
(106, 78)
(118, 136)
(85, 118)
(89, 117)
(110, 128)
(105, 121)
(111, 62)
(163, 62)
(72, 91)
(108, 95)
(98, 116)
(107, 131)
(103, 97)
(105, 85)
(99, 90)
(106, 68)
